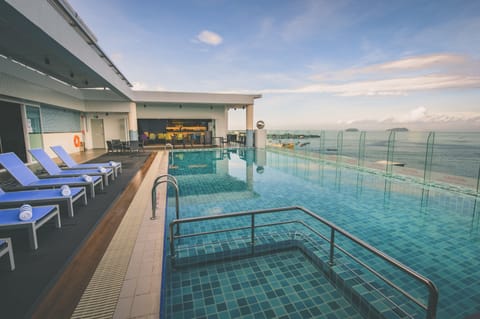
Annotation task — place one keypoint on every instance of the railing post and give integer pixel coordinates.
(361, 149)
(172, 245)
(154, 201)
(427, 169)
(253, 233)
(339, 147)
(478, 181)
(332, 246)
(432, 301)
(321, 147)
(170, 180)
(390, 153)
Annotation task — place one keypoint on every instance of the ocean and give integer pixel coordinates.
(455, 155)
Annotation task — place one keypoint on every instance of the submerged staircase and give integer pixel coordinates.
(377, 285)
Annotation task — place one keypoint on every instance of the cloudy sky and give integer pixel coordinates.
(318, 64)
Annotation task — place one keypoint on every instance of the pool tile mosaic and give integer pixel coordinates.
(279, 285)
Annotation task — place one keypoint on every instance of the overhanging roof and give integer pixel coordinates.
(229, 99)
(29, 35)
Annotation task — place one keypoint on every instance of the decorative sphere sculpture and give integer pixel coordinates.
(260, 124)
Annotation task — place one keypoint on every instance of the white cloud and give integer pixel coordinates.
(398, 86)
(398, 77)
(421, 115)
(144, 86)
(210, 38)
(421, 62)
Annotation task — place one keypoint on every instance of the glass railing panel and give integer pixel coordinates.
(350, 147)
(447, 159)
(376, 144)
(456, 159)
(409, 153)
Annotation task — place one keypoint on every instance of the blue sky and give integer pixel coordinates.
(318, 64)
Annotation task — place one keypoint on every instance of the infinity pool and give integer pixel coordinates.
(432, 231)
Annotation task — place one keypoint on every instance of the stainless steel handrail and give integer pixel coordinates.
(160, 180)
(431, 305)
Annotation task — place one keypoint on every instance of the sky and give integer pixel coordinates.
(318, 64)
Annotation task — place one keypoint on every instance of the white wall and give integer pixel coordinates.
(113, 125)
(64, 139)
(107, 106)
(215, 112)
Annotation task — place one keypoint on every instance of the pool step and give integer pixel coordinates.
(359, 289)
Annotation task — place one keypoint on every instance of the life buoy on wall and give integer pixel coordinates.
(76, 141)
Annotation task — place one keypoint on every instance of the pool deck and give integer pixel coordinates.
(126, 282)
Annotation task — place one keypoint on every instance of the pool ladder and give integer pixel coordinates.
(169, 179)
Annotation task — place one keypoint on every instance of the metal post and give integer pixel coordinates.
(390, 152)
(332, 246)
(253, 233)
(321, 148)
(170, 180)
(339, 146)
(427, 170)
(172, 245)
(432, 301)
(361, 149)
(478, 180)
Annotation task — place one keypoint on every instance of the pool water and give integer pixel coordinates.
(284, 284)
(432, 231)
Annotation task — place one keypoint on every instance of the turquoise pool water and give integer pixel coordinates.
(432, 231)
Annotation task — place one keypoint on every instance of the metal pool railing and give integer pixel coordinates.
(170, 179)
(429, 307)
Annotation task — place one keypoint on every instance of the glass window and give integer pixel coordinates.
(33, 119)
(59, 120)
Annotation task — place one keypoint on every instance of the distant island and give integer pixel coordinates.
(398, 129)
(351, 129)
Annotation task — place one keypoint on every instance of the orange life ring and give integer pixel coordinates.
(76, 141)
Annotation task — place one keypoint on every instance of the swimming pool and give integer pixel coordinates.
(432, 231)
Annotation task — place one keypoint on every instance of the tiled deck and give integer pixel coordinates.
(126, 283)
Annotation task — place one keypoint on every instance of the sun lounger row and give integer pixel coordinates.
(71, 164)
(54, 171)
(37, 200)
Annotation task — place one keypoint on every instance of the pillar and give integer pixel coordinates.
(249, 126)
(132, 122)
(249, 159)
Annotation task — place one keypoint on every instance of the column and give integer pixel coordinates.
(132, 122)
(249, 126)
